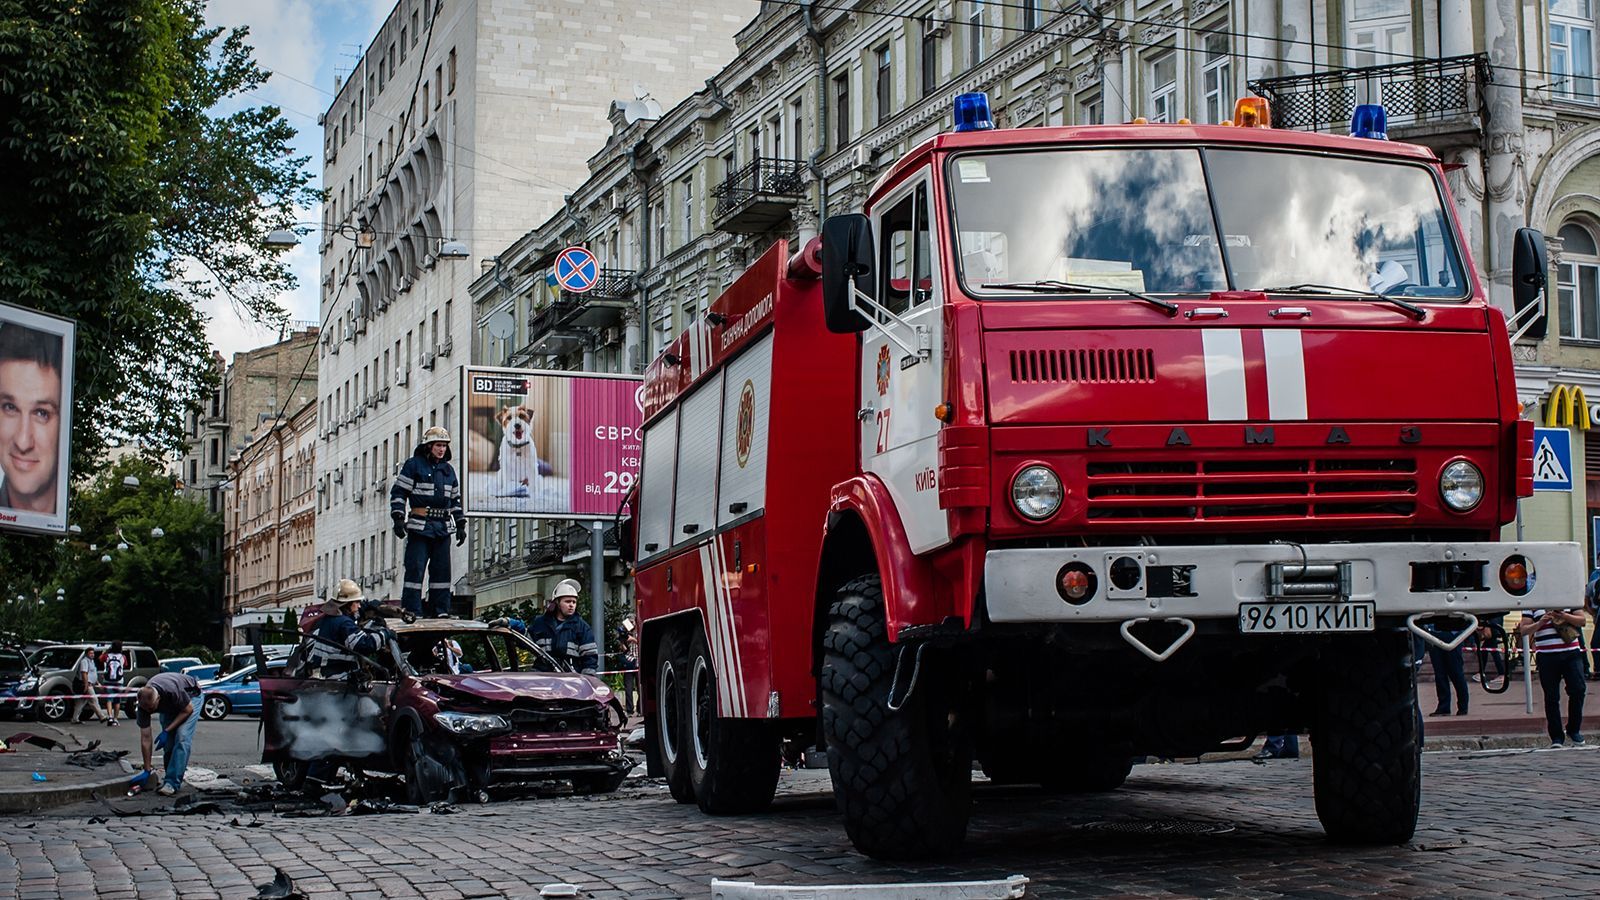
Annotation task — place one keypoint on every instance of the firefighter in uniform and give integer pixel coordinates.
(340, 636)
(425, 503)
(560, 632)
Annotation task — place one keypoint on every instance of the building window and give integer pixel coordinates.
(450, 72)
(1216, 75)
(974, 32)
(686, 188)
(841, 110)
(1091, 111)
(660, 214)
(929, 61)
(797, 117)
(1030, 14)
(1578, 283)
(1572, 50)
(1378, 32)
(885, 82)
(776, 127)
(1164, 88)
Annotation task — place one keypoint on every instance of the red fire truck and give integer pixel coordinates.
(1084, 444)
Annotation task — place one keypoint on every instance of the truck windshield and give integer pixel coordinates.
(1142, 219)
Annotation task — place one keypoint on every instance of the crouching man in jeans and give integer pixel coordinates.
(1555, 644)
(172, 696)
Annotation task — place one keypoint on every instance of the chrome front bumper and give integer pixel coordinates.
(1021, 585)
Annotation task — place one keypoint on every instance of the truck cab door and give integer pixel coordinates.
(899, 390)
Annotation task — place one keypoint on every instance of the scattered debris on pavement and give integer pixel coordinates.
(281, 887)
(93, 759)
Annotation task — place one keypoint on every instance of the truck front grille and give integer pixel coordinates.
(1244, 489)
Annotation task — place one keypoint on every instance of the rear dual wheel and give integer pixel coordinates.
(733, 762)
(666, 726)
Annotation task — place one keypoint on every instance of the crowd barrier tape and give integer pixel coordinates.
(37, 697)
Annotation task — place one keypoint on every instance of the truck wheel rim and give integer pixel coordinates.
(667, 710)
(701, 709)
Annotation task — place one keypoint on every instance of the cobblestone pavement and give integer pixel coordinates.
(1508, 824)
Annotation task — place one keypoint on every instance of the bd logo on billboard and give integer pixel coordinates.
(747, 422)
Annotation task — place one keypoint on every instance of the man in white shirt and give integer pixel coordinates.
(86, 678)
(1555, 641)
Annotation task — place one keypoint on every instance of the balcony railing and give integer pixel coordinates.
(758, 196)
(1426, 92)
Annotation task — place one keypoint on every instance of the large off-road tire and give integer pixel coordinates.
(902, 778)
(667, 726)
(733, 763)
(1367, 738)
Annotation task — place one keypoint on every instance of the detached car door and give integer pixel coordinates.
(308, 716)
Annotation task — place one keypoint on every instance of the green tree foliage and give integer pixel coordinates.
(164, 591)
(129, 197)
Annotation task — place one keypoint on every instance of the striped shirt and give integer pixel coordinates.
(1547, 639)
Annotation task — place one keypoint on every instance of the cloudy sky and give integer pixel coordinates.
(305, 44)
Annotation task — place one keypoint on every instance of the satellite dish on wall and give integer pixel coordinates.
(501, 325)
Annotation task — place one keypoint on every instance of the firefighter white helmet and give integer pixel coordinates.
(349, 592)
(567, 587)
(436, 434)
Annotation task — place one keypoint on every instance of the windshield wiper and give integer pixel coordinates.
(1051, 286)
(1416, 311)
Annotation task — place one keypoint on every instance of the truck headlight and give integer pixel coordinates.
(1036, 492)
(1461, 486)
(472, 723)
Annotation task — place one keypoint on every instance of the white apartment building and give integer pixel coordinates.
(465, 122)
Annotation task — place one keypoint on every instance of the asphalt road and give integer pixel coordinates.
(1519, 823)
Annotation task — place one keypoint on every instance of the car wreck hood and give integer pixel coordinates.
(508, 687)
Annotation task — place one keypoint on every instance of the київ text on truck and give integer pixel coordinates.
(1084, 444)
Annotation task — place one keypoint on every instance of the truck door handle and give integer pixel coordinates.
(865, 412)
(1207, 312)
(691, 528)
(737, 508)
(1290, 312)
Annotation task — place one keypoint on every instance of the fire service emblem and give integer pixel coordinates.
(747, 422)
(883, 370)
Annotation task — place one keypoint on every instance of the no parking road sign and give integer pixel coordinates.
(576, 270)
(1552, 459)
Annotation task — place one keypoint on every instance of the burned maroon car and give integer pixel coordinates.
(514, 717)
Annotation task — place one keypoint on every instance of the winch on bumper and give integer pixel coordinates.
(1283, 588)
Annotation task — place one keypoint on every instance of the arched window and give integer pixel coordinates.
(1578, 283)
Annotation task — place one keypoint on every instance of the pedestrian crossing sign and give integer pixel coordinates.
(1552, 459)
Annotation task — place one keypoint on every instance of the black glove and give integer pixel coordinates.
(461, 536)
(399, 528)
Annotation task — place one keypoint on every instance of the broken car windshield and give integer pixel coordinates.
(1142, 220)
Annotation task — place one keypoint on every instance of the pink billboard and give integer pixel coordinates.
(545, 444)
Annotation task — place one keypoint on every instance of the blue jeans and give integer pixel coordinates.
(175, 756)
(1283, 746)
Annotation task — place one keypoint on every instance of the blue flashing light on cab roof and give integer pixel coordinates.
(1370, 121)
(972, 112)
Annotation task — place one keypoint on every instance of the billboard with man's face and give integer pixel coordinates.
(543, 444)
(35, 419)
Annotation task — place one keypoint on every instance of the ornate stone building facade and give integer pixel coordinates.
(269, 524)
(821, 97)
(462, 122)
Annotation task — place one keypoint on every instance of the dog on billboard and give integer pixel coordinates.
(519, 474)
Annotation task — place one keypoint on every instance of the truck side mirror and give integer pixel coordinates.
(1530, 267)
(847, 256)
